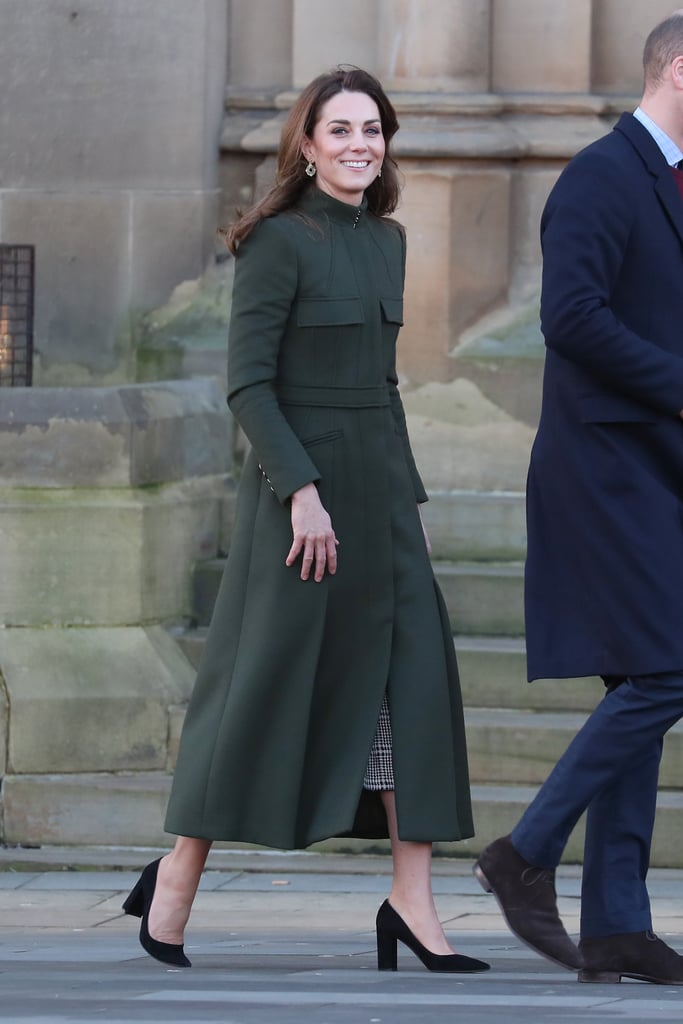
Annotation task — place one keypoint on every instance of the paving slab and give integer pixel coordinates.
(303, 952)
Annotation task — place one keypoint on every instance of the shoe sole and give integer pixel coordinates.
(487, 887)
(590, 977)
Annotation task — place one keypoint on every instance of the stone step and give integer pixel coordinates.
(492, 675)
(481, 597)
(523, 746)
(103, 809)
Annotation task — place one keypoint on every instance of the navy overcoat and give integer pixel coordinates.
(605, 489)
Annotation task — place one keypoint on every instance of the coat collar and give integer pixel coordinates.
(315, 201)
(653, 158)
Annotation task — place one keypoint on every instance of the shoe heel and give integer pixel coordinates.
(135, 901)
(590, 977)
(481, 878)
(387, 950)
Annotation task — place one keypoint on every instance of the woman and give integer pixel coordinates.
(329, 633)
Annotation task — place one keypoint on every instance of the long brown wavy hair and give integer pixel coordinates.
(291, 180)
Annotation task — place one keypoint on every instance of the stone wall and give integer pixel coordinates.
(109, 497)
(493, 97)
(110, 115)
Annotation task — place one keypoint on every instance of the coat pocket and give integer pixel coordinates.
(614, 409)
(329, 435)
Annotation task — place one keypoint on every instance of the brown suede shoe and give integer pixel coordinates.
(639, 955)
(526, 895)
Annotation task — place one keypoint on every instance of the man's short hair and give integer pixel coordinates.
(662, 46)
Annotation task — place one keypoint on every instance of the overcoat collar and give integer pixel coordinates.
(653, 158)
(315, 201)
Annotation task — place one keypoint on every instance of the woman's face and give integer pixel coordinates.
(347, 146)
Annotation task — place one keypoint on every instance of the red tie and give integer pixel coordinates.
(677, 172)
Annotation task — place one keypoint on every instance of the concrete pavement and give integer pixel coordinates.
(284, 938)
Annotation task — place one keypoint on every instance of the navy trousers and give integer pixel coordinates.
(610, 770)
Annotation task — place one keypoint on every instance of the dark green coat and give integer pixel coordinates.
(287, 698)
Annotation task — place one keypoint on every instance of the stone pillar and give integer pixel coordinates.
(110, 117)
(541, 47)
(619, 34)
(457, 222)
(108, 497)
(434, 44)
(329, 34)
(531, 186)
(260, 45)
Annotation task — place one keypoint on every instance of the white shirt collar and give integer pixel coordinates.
(672, 153)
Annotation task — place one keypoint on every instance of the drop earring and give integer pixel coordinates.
(379, 173)
(310, 169)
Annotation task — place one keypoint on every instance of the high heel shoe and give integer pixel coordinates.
(137, 904)
(391, 928)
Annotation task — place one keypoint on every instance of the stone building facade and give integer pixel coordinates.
(131, 129)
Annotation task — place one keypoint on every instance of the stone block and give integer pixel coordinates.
(133, 435)
(172, 238)
(524, 746)
(129, 101)
(483, 598)
(82, 280)
(618, 42)
(260, 41)
(321, 38)
(104, 557)
(439, 45)
(530, 187)
(476, 527)
(497, 809)
(98, 809)
(91, 700)
(541, 47)
(4, 725)
(458, 240)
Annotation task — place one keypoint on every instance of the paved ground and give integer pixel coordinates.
(282, 938)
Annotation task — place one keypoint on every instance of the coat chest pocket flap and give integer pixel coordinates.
(614, 409)
(329, 312)
(392, 310)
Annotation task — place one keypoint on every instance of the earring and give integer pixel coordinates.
(310, 169)
(379, 173)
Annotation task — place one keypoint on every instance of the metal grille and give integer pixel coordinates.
(16, 315)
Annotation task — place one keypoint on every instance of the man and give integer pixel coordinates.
(604, 570)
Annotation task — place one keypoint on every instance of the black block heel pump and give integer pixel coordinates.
(137, 904)
(392, 929)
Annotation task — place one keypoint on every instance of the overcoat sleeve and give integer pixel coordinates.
(397, 405)
(585, 233)
(263, 291)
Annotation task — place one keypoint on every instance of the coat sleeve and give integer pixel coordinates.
(263, 291)
(397, 405)
(585, 232)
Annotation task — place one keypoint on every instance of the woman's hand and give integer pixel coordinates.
(424, 531)
(313, 534)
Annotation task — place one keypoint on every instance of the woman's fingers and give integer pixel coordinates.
(313, 536)
(318, 552)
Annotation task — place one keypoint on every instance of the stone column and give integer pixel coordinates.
(260, 45)
(433, 44)
(329, 34)
(541, 47)
(110, 117)
(619, 34)
(457, 221)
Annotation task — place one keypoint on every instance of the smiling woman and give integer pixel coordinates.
(347, 146)
(327, 702)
